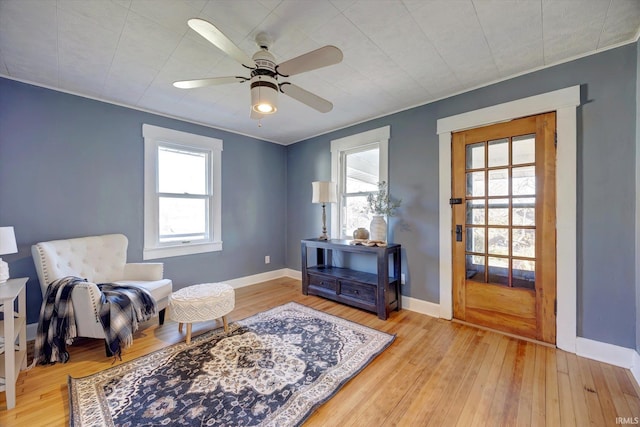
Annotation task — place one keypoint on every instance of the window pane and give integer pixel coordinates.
(524, 242)
(182, 172)
(524, 149)
(362, 170)
(524, 211)
(475, 155)
(524, 181)
(498, 239)
(475, 184)
(354, 214)
(499, 152)
(475, 212)
(182, 219)
(498, 211)
(475, 239)
(499, 182)
(498, 270)
(523, 274)
(475, 268)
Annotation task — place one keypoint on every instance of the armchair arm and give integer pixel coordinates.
(143, 271)
(86, 298)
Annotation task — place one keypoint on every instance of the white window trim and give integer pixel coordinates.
(153, 137)
(564, 102)
(379, 136)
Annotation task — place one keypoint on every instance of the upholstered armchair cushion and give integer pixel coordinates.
(99, 259)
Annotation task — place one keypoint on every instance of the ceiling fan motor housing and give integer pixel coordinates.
(264, 84)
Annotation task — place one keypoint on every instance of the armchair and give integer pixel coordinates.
(99, 259)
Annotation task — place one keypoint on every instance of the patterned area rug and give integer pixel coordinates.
(272, 369)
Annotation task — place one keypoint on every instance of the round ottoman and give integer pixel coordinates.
(199, 303)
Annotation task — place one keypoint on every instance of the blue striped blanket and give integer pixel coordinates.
(122, 309)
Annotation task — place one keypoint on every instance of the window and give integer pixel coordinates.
(358, 163)
(182, 202)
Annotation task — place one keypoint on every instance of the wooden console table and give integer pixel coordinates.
(377, 292)
(13, 328)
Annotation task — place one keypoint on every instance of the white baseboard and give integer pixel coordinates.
(241, 282)
(608, 353)
(420, 306)
(635, 366)
(294, 274)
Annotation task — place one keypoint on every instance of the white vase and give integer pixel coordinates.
(378, 228)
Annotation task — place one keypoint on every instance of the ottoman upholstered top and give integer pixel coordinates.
(202, 302)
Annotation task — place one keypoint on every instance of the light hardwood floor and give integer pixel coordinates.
(436, 373)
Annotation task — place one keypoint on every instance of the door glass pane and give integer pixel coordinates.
(498, 270)
(499, 152)
(524, 149)
(475, 268)
(523, 274)
(475, 212)
(499, 182)
(181, 171)
(498, 211)
(524, 242)
(182, 219)
(498, 239)
(475, 184)
(524, 211)
(475, 239)
(362, 170)
(475, 155)
(524, 181)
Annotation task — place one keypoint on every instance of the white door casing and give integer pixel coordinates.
(564, 102)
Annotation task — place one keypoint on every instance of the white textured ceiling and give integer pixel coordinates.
(397, 54)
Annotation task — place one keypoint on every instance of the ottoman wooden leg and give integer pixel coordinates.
(226, 325)
(180, 327)
(188, 333)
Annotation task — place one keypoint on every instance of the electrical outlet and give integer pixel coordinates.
(402, 279)
(267, 259)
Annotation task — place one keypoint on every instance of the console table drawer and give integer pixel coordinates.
(322, 282)
(359, 291)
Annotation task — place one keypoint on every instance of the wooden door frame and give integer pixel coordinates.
(564, 102)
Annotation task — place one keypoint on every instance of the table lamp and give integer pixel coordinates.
(7, 246)
(324, 192)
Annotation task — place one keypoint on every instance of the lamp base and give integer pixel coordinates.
(323, 237)
(4, 271)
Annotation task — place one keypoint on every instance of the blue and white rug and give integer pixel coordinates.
(272, 369)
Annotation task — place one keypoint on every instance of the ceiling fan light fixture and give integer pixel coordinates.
(264, 95)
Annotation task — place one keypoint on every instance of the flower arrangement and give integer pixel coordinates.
(380, 203)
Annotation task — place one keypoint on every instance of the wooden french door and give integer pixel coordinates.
(504, 228)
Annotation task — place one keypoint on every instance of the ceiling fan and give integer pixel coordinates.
(264, 74)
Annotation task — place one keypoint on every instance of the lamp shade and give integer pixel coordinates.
(7, 241)
(324, 192)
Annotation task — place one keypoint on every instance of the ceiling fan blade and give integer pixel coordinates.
(214, 81)
(222, 42)
(325, 56)
(306, 97)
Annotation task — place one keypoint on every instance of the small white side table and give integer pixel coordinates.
(13, 358)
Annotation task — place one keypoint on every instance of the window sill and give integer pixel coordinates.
(172, 251)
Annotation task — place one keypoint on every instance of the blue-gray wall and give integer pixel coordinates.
(637, 193)
(606, 186)
(71, 166)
